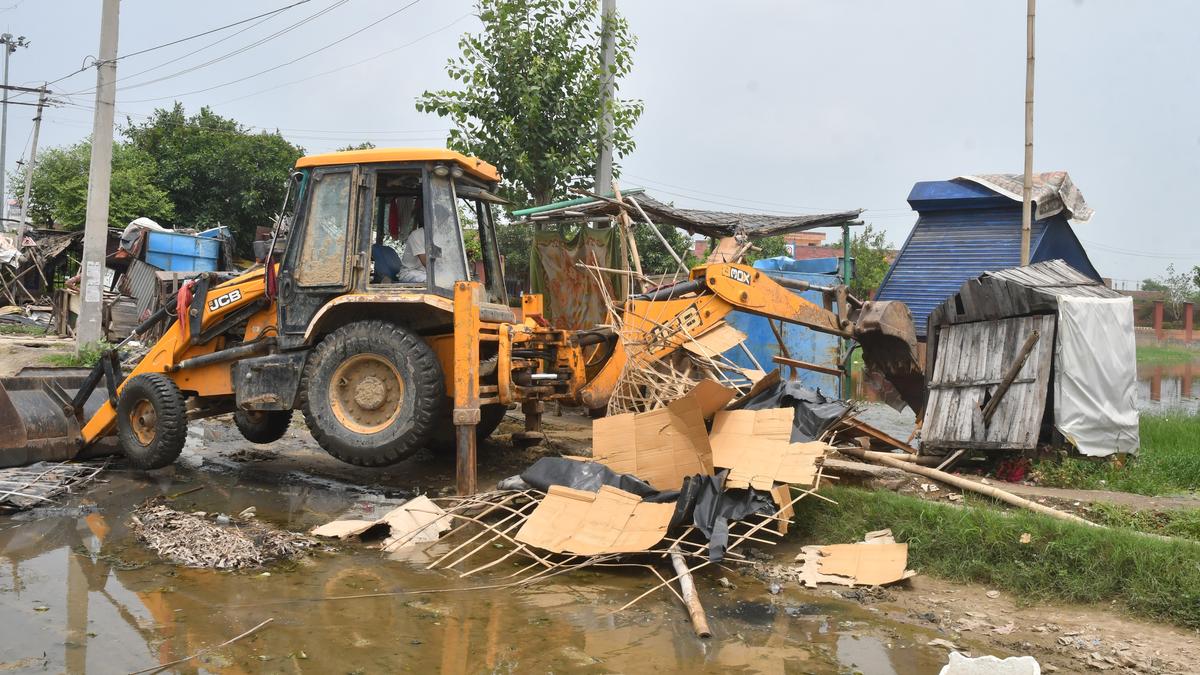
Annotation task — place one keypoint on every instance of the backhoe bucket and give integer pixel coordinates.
(889, 344)
(36, 419)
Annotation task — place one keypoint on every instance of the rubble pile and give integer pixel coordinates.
(213, 540)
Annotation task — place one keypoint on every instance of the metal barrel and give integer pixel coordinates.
(37, 422)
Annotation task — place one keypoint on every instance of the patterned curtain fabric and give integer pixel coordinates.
(572, 298)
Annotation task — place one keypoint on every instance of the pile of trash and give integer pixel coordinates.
(212, 540)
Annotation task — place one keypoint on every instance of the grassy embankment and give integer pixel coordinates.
(1063, 562)
(1168, 461)
(1166, 354)
(87, 356)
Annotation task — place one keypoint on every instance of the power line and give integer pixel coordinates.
(288, 63)
(1186, 255)
(223, 57)
(350, 65)
(738, 202)
(86, 65)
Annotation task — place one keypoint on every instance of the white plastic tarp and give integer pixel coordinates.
(1095, 381)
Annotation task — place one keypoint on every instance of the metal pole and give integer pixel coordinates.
(608, 12)
(95, 237)
(1027, 188)
(31, 166)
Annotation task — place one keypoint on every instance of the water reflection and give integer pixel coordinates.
(1169, 386)
(78, 594)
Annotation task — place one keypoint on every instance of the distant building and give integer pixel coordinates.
(966, 228)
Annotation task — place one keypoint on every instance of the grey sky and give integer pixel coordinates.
(781, 106)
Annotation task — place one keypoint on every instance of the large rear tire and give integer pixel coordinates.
(372, 392)
(151, 421)
(262, 426)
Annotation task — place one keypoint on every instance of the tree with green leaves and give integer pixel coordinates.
(767, 247)
(215, 170)
(655, 259)
(529, 95)
(869, 249)
(58, 193)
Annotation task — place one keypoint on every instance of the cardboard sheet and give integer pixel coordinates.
(753, 445)
(711, 396)
(876, 561)
(661, 447)
(594, 523)
(416, 521)
(717, 340)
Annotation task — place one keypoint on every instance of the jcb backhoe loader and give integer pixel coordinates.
(380, 367)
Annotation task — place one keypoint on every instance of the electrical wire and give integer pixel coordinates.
(349, 65)
(741, 202)
(86, 65)
(223, 57)
(282, 65)
(1185, 255)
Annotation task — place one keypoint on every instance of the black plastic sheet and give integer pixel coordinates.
(815, 413)
(590, 476)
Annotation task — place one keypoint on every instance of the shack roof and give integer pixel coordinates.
(472, 165)
(696, 221)
(1017, 291)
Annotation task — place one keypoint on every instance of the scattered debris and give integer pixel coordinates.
(416, 521)
(198, 540)
(41, 483)
(875, 561)
(989, 665)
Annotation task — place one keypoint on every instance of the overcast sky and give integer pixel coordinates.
(754, 105)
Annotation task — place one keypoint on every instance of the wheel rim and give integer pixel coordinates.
(143, 420)
(366, 393)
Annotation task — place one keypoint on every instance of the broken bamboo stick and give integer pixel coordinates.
(687, 588)
(990, 409)
(960, 482)
(796, 363)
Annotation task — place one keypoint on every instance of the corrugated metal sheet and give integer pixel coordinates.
(949, 247)
(142, 284)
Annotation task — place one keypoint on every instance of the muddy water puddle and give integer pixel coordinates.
(79, 594)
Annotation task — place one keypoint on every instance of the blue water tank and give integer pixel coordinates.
(176, 252)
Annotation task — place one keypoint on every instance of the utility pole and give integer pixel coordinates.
(32, 165)
(10, 45)
(608, 13)
(95, 229)
(1027, 188)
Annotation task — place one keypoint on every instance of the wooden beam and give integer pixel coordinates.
(795, 363)
(1019, 362)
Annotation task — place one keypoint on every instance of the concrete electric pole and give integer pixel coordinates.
(10, 45)
(604, 171)
(95, 230)
(1027, 188)
(32, 165)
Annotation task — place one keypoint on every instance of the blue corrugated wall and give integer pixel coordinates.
(802, 343)
(964, 230)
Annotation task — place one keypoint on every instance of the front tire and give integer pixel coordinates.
(151, 421)
(262, 426)
(372, 392)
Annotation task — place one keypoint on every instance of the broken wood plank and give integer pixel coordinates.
(1019, 362)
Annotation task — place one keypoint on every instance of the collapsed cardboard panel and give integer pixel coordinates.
(716, 341)
(876, 561)
(711, 396)
(595, 523)
(782, 495)
(416, 521)
(661, 447)
(754, 446)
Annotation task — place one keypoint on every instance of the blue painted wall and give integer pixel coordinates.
(802, 343)
(964, 230)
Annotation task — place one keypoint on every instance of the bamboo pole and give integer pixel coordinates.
(688, 589)
(959, 482)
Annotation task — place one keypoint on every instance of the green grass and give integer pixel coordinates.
(1183, 523)
(21, 329)
(1168, 462)
(1164, 354)
(87, 356)
(1063, 562)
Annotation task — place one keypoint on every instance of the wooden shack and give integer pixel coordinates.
(1002, 374)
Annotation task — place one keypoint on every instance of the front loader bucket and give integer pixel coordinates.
(889, 344)
(35, 420)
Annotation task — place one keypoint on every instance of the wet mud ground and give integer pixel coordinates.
(78, 593)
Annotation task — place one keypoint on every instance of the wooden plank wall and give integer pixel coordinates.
(971, 360)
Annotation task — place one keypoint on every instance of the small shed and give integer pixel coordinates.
(971, 225)
(1063, 342)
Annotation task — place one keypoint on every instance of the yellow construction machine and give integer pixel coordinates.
(381, 367)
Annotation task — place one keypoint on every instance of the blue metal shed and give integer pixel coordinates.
(802, 343)
(963, 230)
